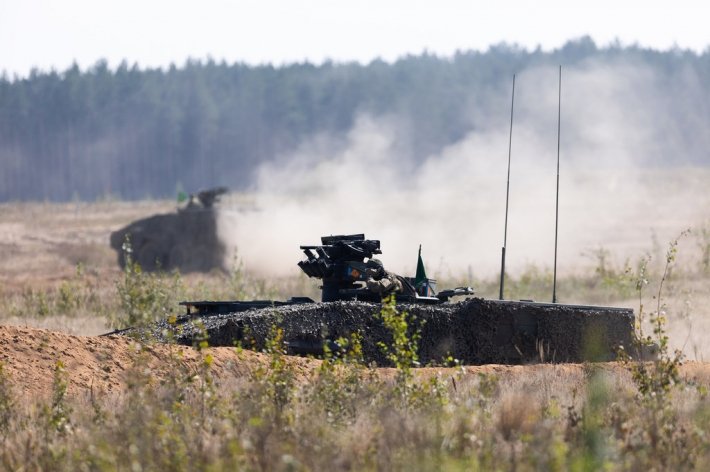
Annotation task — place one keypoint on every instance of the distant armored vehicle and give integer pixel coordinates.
(186, 240)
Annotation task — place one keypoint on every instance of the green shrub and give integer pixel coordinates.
(7, 403)
(145, 297)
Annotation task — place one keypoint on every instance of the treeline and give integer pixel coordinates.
(133, 133)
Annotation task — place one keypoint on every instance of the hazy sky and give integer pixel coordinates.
(53, 33)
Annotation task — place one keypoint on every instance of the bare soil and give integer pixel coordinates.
(102, 364)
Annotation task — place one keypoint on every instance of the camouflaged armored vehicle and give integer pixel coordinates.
(474, 331)
(185, 240)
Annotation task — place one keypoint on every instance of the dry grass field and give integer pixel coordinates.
(71, 400)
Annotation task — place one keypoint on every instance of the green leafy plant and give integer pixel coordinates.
(340, 380)
(275, 380)
(58, 412)
(402, 352)
(7, 403)
(145, 297)
(657, 380)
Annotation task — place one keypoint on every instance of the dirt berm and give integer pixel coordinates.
(475, 331)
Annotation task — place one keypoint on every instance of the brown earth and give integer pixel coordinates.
(101, 364)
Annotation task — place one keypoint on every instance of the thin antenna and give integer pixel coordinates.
(557, 197)
(507, 195)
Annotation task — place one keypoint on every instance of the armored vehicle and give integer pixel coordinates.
(186, 240)
(474, 331)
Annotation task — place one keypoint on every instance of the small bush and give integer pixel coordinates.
(7, 403)
(145, 297)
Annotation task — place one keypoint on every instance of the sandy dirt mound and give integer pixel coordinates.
(29, 357)
(101, 364)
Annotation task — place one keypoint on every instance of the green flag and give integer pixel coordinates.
(181, 197)
(420, 278)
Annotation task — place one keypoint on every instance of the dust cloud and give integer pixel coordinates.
(625, 180)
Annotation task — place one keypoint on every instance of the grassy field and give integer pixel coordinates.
(177, 410)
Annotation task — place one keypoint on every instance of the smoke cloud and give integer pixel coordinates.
(626, 139)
